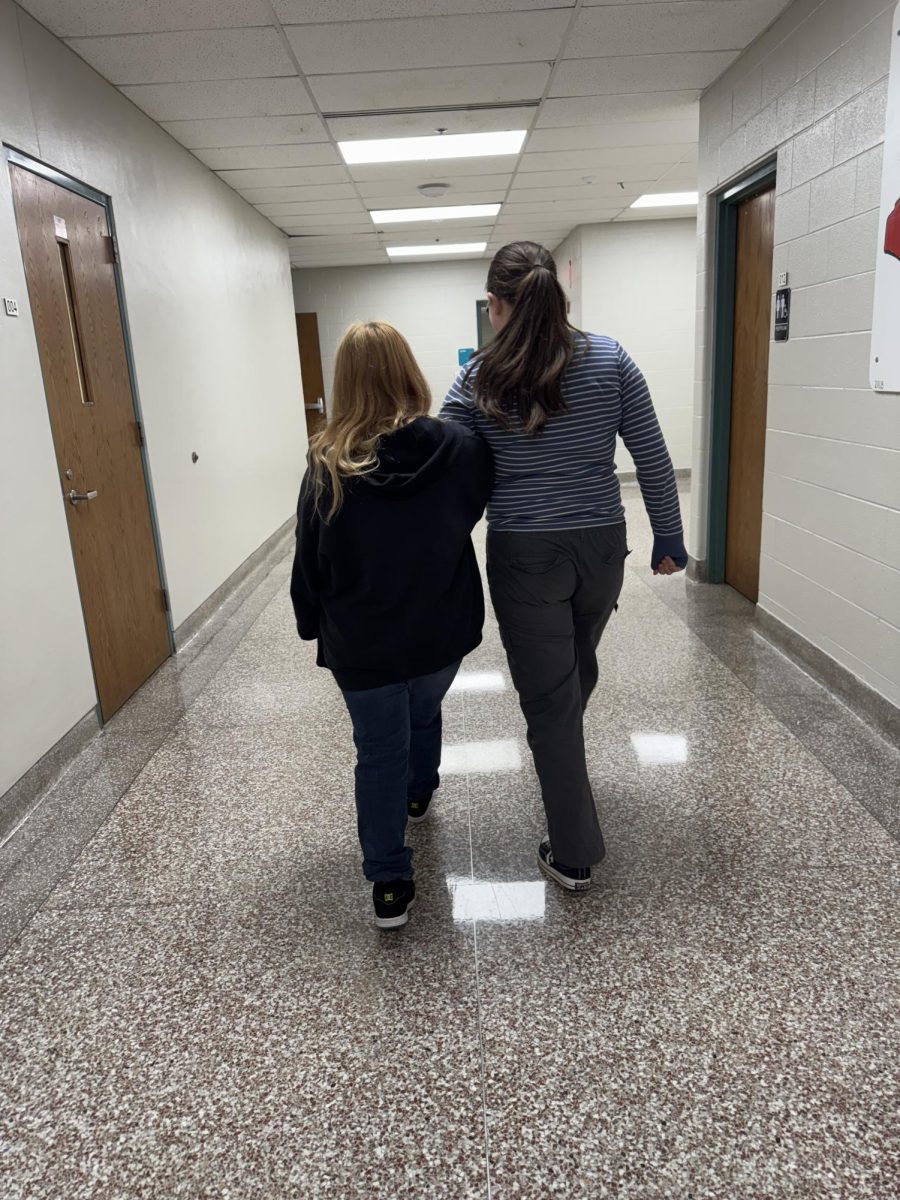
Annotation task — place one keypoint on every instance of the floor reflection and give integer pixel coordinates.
(500, 755)
(482, 900)
(659, 748)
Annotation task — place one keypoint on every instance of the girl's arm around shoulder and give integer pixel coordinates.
(459, 403)
(478, 466)
(305, 576)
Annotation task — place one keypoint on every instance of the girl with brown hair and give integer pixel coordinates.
(385, 578)
(551, 401)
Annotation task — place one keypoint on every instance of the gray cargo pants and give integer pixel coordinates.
(553, 594)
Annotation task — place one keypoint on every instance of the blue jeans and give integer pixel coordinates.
(397, 733)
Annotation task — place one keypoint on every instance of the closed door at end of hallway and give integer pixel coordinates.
(311, 371)
(749, 391)
(70, 271)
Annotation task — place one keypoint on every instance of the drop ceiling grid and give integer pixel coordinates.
(607, 90)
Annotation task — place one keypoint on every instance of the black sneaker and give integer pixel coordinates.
(392, 902)
(574, 879)
(417, 807)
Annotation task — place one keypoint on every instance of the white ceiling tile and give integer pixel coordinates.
(283, 177)
(428, 41)
(468, 184)
(439, 86)
(586, 160)
(329, 227)
(297, 12)
(644, 73)
(276, 195)
(221, 98)
(231, 158)
(442, 170)
(657, 214)
(413, 124)
(564, 191)
(303, 208)
(611, 30)
(107, 17)
(619, 133)
(309, 244)
(310, 222)
(591, 110)
(612, 198)
(412, 199)
(247, 131)
(177, 57)
(404, 235)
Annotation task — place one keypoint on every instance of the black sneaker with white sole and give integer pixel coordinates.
(417, 807)
(392, 902)
(574, 879)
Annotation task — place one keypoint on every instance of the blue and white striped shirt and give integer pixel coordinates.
(565, 477)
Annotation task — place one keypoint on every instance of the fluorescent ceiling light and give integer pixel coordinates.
(449, 212)
(441, 145)
(436, 248)
(666, 200)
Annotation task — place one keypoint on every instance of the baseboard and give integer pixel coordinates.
(25, 795)
(236, 584)
(19, 801)
(868, 704)
(697, 569)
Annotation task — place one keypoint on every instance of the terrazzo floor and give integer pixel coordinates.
(194, 1001)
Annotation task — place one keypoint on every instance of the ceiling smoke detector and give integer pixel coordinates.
(433, 190)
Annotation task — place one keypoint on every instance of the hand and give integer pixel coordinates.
(667, 567)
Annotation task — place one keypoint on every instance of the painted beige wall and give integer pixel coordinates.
(814, 88)
(432, 304)
(207, 285)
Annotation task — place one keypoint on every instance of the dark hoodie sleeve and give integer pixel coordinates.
(305, 578)
(480, 469)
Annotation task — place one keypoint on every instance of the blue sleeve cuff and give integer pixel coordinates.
(671, 546)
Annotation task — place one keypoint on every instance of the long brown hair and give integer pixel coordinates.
(378, 387)
(521, 370)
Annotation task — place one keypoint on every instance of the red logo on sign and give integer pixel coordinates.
(892, 233)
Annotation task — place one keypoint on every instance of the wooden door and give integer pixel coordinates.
(311, 370)
(68, 257)
(749, 391)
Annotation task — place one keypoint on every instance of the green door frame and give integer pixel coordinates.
(727, 204)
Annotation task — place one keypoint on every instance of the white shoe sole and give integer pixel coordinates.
(395, 922)
(417, 820)
(571, 885)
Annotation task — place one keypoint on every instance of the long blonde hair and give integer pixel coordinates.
(378, 387)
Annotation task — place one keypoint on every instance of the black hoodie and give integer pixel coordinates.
(390, 586)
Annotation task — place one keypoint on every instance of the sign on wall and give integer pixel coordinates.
(885, 365)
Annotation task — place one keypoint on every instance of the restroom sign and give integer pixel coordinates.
(885, 363)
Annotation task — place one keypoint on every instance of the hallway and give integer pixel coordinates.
(201, 1006)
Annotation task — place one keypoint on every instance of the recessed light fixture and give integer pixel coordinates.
(449, 212)
(666, 200)
(442, 145)
(437, 248)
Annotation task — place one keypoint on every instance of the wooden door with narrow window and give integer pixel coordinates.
(69, 267)
(749, 391)
(311, 370)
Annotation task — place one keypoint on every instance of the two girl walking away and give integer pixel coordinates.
(385, 574)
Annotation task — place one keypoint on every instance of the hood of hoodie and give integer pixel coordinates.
(413, 457)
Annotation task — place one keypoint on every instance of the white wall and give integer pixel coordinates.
(432, 304)
(638, 282)
(208, 291)
(814, 88)
(569, 269)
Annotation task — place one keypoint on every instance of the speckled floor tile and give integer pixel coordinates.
(719, 1042)
(227, 811)
(272, 1048)
(203, 1009)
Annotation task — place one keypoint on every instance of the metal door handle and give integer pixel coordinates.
(74, 497)
(318, 407)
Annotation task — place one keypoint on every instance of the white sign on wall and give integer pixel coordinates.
(885, 365)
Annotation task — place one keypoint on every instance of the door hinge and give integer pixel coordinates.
(164, 593)
(139, 430)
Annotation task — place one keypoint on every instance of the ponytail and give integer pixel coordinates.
(521, 371)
